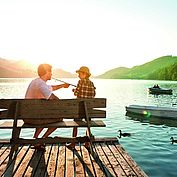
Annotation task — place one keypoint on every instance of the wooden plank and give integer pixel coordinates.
(60, 161)
(67, 113)
(62, 124)
(11, 109)
(11, 163)
(115, 165)
(80, 171)
(92, 102)
(4, 103)
(69, 163)
(33, 164)
(123, 168)
(16, 165)
(4, 156)
(5, 141)
(3, 149)
(51, 140)
(9, 124)
(26, 161)
(129, 162)
(64, 108)
(86, 167)
(95, 166)
(43, 163)
(109, 140)
(52, 161)
(106, 166)
(3, 112)
(53, 114)
(60, 170)
(73, 105)
(89, 161)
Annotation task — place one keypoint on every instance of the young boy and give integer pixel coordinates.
(85, 89)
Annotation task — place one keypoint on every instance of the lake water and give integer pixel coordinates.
(149, 145)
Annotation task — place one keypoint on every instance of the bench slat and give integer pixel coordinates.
(50, 114)
(51, 140)
(62, 124)
(57, 109)
(96, 102)
(65, 108)
(3, 114)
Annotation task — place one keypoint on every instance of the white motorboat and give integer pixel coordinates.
(164, 112)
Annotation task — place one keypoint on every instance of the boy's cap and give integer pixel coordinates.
(84, 69)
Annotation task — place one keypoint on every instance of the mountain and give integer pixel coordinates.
(115, 73)
(149, 70)
(163, 68)
(59, 73)
(11, 68)
(23, 69)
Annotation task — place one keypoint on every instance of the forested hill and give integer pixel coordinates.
(163, 68)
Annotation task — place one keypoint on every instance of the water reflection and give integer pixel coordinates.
(152, 120)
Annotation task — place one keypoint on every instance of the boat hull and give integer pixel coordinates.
(163, 112)
(160, 91)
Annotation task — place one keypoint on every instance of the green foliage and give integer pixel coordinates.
(115, 73)
(163, 68)
(167, 73)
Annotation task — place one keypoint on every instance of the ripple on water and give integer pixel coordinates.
(152, 148)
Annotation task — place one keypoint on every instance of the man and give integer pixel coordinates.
(38, 89)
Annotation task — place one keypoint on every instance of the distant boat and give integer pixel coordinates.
(156, 111)
(153, 90)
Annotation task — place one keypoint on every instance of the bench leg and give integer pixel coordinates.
(74, 134)
(88, 129)
(15, 136)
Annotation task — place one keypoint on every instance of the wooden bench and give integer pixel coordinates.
(75, 113)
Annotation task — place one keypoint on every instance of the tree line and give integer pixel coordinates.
(167, 73)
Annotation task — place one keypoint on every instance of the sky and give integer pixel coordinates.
(100, 34)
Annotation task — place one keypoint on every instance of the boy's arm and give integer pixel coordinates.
(77, 90)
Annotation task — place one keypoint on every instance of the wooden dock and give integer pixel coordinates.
(108, 159)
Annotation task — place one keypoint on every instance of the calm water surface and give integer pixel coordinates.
(149, 144)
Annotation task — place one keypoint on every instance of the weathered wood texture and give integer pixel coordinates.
(73, 112)
(109, 159)
(52, 109)
(62, 124)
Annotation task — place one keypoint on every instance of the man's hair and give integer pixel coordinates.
(43, 68)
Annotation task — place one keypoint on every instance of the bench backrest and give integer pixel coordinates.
(45, 109)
